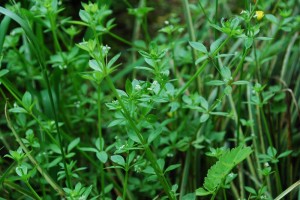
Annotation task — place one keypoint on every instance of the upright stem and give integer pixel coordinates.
(100, 138)
(200, 69)
(54, 185)
(192, 36)
(149, 154)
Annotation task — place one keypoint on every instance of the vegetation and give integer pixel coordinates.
(124, 99)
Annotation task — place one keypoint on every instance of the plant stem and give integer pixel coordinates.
(100, 137)
(185, 175)
(192, 36)
(31, 158)
(148, 152)
(33, 191)
(200, 69)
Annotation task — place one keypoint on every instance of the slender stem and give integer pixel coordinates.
(200, 69)
(185, 175)
(192, 36)
(32, 190)
(100, 137)
(216, 17)
(288, 190)
(44, 173)
(125, 180)
(148, 152)
(124, 41)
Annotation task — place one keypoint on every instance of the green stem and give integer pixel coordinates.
(192, 36)
(185, 175)
(216, 17)
(277, 176)
(200, 69)
(126, 180)
(124, 41)
(31, 158)
(149, 154)
(100, 138)
(33, 191)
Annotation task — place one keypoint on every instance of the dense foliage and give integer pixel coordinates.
(124, 99)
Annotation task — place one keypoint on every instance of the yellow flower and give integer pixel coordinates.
(259, 15)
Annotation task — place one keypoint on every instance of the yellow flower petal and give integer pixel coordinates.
(259, 15)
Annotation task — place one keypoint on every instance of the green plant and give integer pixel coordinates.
(137, 99)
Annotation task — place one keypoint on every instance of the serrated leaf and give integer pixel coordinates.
(198, 46)
(189, 196)
(202, 192)
(218, 172)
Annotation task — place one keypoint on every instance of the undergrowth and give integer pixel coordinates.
(149, 99)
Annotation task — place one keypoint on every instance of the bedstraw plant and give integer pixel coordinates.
(133, 100)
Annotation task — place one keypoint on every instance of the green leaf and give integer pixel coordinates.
(154, 134)
(172, 167)
(198, 46)
(118, 160)
(240, 83)
(202, 58)
(95, 65)
(225, 72)
(264, 38)
(202, 192)
(3, 71)
(271, 18)
(84, 16)
(250, 190)
(228, 90)
(26, 100)
(18, 110)
(189, 196)
(218, 172)
(73, 144)
(132, 135)
(215, 82)
(248, 42)
(285, 154)
(102, 156)
(215, 45)
(204, 117)
(113, 60)
(272, 151)
(128, 87)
